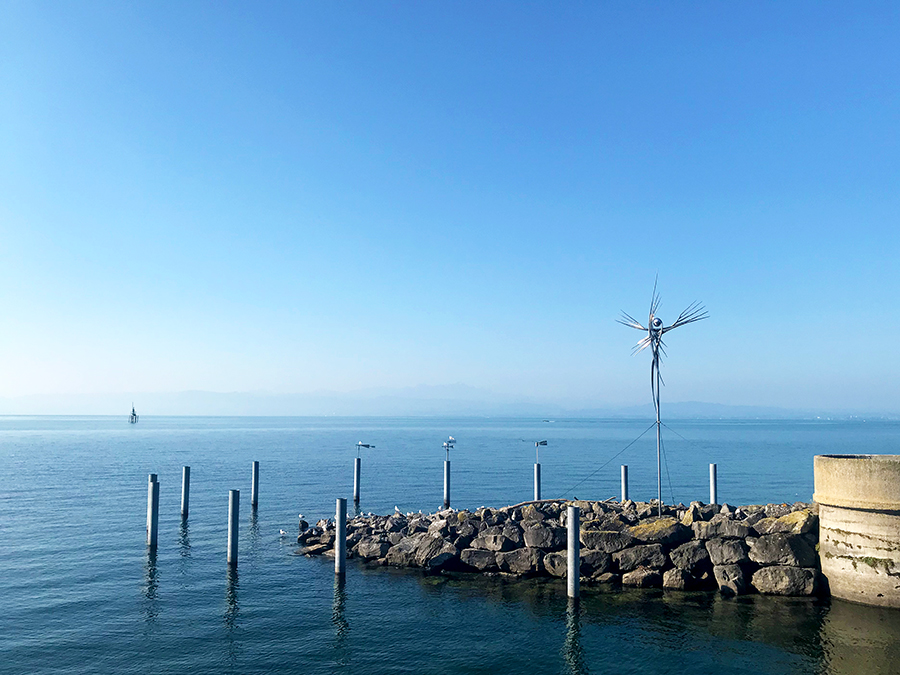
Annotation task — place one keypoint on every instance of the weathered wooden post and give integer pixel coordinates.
(713, 492)
(624, 482)
(357, 463)
(573, 560)
(185, 491)
(254, 486)
(340, 536)
(152, 511)
(234, 508)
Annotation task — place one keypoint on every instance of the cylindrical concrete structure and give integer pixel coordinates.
(713, 485)
(185, 490)
(537, 482)
(357, 464)
(234, 511)
(446, 483)
(859, 526)
(624, 482)
(573, 555)
(340, 536)
(254, 486)
(152, 511)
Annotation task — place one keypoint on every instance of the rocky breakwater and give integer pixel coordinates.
(760, 548)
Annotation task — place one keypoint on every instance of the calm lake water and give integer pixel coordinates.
(82, 595)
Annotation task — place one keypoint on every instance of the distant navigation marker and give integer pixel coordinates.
(655, 331)
(133, 418)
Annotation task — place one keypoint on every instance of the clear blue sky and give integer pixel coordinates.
(289, 197)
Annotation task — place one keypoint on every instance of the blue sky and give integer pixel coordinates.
(290, 197)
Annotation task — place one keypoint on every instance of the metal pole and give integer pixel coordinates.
(234, 510)
(537, 482)
(658, 445)
(357, 463)
(152, 511)
(573, 559)
(713, 492)
(254, 486)
(340, 536)
(185, 491)
(446, 483)
(624, 482)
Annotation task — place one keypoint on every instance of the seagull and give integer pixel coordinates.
(300, 516)
(282, 533)
(397, 510)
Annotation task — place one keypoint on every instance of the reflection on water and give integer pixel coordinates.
(860, 639)
(151, 587)
(254, 532)
(184, 540)
(573, 652)
(339, 620)
(232, 614)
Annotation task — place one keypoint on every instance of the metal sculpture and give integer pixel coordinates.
(362, 445)
(537, 445)
(655, 331)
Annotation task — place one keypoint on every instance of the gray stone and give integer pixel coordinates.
(395, 538)
(531, 513)
(315, 549)
(492, 542)
(514, 533)
(605, 540)
(373, 548)
(647, 555)
(642, 578)
(395, 523)
(783, 549)
(525, 561)
(478, 559)
(796, 522)
(691, 515)
(727, 551)
(556, 564)
(440, 528)
(547, 537)
(609, 578)
(446, 558)
(594, 562)
(730, 579)
(777, 510)
(690, 556)
(782, 580)
(720, 526)
(677, 579)
(429, 546)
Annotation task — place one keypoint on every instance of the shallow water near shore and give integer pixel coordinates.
(82, 595)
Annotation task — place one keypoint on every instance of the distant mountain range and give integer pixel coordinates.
(424, 400)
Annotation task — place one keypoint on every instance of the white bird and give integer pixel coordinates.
(282, 533)
(396, 509)
(300, 516)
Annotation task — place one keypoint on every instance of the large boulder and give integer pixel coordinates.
(429, 546)
(493, 542)
(666, 531)
(445, 559)
(727, 551)
(439, 528)
(594, 562)
(796, 522)
(478, 560)
(514, 533)
(642, 578)
(531, 513)
(606, 540)
(556, 564)
(783, 549)
(403, 553)
(547, 537)
(677, 579)
(783, 580)
(648, 555)
(720, 526)
(691, 556)
(372, 548)
(465, 533)
(524, 561)
(730, 579)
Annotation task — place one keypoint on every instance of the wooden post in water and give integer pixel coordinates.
(713, 492)
(573, 559)
(254, 486)
(357, 463)
(340, 536)
(152, 511)
(537, 482)
(624, 482)
(185, 491)
(234, 510)
(446, 483)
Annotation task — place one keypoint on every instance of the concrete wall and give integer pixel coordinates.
(859, 526)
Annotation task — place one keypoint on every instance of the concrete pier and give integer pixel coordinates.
(254, 486)
(859, 526)
(234, 509)
(573, 552)
(185, 491)
(340, 536)
(152, 511)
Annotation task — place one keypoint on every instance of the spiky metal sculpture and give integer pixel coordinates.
(655, 331)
